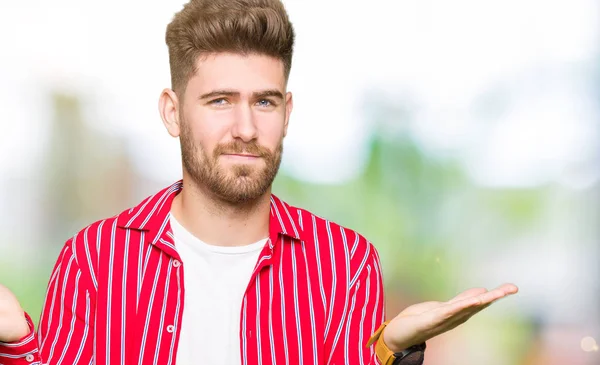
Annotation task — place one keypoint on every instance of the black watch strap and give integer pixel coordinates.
(413, 355)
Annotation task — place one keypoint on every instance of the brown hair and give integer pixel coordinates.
(237, 26)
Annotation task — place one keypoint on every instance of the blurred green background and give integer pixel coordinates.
(465, 148)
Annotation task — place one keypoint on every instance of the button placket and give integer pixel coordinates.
(176, 264)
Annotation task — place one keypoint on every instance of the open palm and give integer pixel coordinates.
(420, 322)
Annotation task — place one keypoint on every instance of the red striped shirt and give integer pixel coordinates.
(116, 294)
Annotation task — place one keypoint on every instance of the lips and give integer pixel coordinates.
(240, 154)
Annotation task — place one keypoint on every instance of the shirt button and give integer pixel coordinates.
(170, 328)
(29, 358)
(176, 263)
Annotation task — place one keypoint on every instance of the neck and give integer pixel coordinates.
(220, 223)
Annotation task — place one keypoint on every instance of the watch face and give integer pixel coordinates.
(413, 358)
(413, 355)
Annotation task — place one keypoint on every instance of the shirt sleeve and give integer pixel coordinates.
(65, 331)
(363, 315)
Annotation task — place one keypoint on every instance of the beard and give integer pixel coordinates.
(237, 184)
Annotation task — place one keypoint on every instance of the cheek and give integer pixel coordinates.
(272, 136)
(271, 128)
(209, 128)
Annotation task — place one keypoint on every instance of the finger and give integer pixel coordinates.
(467, 314)
(461, 317)
(470, 305)
(498, 293)
(458, 307)
(451, 322)
(467, 294)
(506, 288)
(509, 288)
(456, 312)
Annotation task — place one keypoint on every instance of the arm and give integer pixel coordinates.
(414, 325)
(65, 333)
(363, 314)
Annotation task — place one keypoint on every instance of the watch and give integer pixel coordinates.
(413, 355)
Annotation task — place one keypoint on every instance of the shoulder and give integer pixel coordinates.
(87, 240)
(143, 217)
(350, 253)
(107, 241)
(90, 242)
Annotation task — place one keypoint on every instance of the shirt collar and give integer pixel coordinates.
(151, 216)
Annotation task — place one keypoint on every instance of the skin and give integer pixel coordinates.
(231, 120)
(234, 105)
(13, 325)
(423, 321)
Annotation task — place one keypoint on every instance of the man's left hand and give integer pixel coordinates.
(420, 322)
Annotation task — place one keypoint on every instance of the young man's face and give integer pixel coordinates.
(233, 117)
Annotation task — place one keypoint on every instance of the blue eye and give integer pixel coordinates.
(220, 101)
(265, 102)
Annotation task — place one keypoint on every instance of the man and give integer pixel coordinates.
(215, 269)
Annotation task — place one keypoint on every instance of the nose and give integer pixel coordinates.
(244, 126)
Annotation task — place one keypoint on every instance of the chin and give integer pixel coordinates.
(243, 171)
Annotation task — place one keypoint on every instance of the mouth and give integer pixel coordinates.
(241, 156)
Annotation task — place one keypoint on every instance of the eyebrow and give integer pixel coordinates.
(257, 94)
(273, 93)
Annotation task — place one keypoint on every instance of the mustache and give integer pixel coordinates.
(239, 147)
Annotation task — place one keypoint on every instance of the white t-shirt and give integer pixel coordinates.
(215, 279)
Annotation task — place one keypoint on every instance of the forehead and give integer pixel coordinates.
(249, 72)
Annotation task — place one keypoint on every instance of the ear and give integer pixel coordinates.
(289, 105)
(168, 107)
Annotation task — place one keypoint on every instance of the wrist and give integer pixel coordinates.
(399, 353)
(397, 346)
